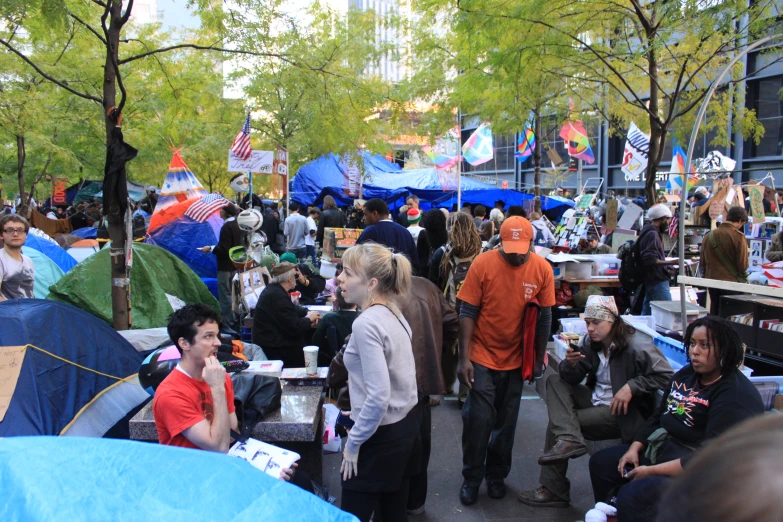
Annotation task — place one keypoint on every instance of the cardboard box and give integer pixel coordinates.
(337, 241)
(252, 283)
(778, 404)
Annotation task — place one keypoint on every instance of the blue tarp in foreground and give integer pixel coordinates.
(87, 479)
(385, 180)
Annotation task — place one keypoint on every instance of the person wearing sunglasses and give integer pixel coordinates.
(17, 274)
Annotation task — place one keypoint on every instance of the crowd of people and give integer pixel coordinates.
(429, 299)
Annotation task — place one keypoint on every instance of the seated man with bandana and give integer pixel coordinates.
(624, 370)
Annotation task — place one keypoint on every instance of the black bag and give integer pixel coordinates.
(255, 396)
(631, 267)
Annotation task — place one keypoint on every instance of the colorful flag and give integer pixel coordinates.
(527, 145)
(674, 225)
(479, 147)
(573, 132)
(678, 167)
(445, 154)
(241, 145)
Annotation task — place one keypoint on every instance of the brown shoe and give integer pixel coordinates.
(434, 401)
(541, 497)
(562, 450)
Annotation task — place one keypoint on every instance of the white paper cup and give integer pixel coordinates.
(311, 359)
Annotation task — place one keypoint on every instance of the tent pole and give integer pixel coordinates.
(459, 162)
(250, 183)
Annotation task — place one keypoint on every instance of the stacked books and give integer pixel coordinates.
(742, 319)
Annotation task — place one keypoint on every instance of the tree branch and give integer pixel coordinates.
(88, 26)
(47, 76)
(126, 16)
(203, 48)
(67, 44)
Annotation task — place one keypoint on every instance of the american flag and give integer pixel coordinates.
(241, 145)
(674, 225)
(206, 206)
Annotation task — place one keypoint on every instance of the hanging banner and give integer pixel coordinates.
(479, 147)
(635, 155)
(259, 162)
(448, 179)
(526, 145)
(280, 163)
(756, 193)
(352, 176)
(59, 186)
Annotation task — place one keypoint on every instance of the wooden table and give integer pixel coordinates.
(296, 426)
(600, 282)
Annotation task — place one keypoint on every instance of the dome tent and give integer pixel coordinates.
(53, 397)
(47, 272)
(158, 281)
(49, 247)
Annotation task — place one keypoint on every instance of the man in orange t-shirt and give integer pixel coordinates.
(496, 290)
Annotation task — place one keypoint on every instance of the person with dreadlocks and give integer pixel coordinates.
(448, 269)
(505, 320)
(705, 398)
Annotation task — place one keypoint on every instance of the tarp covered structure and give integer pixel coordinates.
(89, 480)
(52, 250)
(185, 227)
(47, 272)
(328, 175)
(180, 185)
(158, 282)
(54, 396)
(94, 189)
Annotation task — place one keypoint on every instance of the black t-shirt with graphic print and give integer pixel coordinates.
(693, 413)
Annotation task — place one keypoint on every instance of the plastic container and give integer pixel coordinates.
(673, 350)
(578, 271)
(767, 390)
(605, 265)
(667, 314)
(328, 269)
(573, 324)
(560, 347)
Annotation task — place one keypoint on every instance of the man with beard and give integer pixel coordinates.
(656, 275)
(493, 333)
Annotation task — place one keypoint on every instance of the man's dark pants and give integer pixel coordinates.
(572, 417)
(300, 253)
(489, 420)
(224, 297)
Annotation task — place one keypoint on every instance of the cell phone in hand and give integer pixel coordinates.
(344, 421)
(627, 469)
(574, 347)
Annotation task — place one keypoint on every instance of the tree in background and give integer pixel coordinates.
(649, 62)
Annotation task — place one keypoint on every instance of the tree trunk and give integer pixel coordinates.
(120, 280)
(20, 157)
(537, 162)
(656, 129)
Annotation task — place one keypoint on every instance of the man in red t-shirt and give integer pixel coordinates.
(194, 405)
(498, 287)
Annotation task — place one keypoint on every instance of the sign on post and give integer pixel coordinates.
(58, 197)
(259, 162)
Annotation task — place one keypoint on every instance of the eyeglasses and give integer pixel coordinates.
(14, 231)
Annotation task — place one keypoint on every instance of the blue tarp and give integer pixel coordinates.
(49, 392)
(52, 250)
(86, 232)
(385, 180)
(74, 478)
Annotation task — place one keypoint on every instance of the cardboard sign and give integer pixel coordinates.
(720, 191)
(58, 198)
(756, 193)
(280, 163)
(260, 161)
(611, 214)
(11, 360)
(252, 284)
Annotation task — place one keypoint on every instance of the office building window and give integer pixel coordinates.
(764, 97)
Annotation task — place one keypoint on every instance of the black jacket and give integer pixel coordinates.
(230, 236)
(651, 250)
(330, 218)
(270, 227)
(314, 289)
(278, 325)
(641, 365)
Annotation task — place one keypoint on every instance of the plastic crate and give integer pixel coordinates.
(667, 314)
(673, 350)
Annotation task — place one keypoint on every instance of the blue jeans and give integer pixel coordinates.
(310, 249)
(655, 292)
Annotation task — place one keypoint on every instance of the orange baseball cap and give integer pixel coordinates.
(516, 233)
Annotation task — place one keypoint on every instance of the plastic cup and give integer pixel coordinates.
(311, 359)
(295, 297)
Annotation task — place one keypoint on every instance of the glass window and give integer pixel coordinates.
(764, 97)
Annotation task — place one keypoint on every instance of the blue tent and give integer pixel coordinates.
(54, 396)
(73, 478)
(52, 250)
(47, 272)
(183, 237)
(385, 180)
(86, 232)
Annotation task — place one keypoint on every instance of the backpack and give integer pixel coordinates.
(459, 271)
(631, 267)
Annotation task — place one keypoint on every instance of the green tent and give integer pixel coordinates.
(159, 281)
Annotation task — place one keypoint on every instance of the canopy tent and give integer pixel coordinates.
(185, 227)
(328, 175)
(89, 480)
(83, 249)
(180, 185)
(54, 396)
(94, 189)
(47, 272)
(159, 282)
(51, 250)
